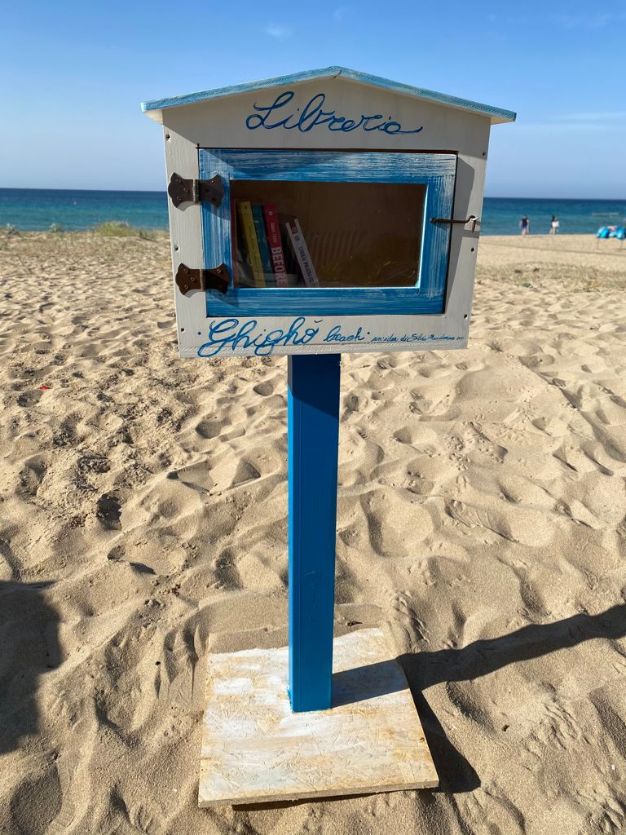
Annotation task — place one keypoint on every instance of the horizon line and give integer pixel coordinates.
(164, 191)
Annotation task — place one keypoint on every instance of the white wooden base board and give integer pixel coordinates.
(255, 750)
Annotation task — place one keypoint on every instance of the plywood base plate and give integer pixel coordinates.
(255, 750)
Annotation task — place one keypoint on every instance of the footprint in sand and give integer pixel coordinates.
(66, 433)
(32, 475)
(196, 476)
(264, 389)
(209, 428)
(36, 802)
(225, 569)
(246, 471)
(354, 402)
(29, 398)
(109, 511)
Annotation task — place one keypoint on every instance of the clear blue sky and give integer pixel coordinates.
(74, 73)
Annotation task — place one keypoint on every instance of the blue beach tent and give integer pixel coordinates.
(618, 232)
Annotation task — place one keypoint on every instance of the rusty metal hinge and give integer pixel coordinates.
(188, 279)
(472, 221)
(195, 191)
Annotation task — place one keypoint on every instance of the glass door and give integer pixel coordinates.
(323, 233)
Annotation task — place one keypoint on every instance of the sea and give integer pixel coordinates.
(40, 209)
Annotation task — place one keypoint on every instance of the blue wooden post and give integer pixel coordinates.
(313, 426)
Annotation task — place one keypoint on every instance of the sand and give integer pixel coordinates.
(481, 515)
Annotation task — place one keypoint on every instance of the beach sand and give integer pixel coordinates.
(481, 515)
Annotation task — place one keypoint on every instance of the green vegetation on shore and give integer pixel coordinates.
(121, 229)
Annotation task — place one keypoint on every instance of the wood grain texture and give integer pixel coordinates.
(181, 157)
(221, 123)
(328, 166)
(380, 333)
(435, 171)
(255, 749)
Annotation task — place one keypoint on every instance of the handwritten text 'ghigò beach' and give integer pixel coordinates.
(232, 335)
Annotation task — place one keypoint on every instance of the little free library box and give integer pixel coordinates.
(316, 214)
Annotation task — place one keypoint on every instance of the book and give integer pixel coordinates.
(272, 230)
(294, 277)
(235, 235)
(264, 250)
(242, 273)
(234, 242)
(251, 243)
(301, 252)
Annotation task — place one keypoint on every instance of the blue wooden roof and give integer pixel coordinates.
(496, 114)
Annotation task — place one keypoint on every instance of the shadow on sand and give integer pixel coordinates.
(29, 647)
(425, 669)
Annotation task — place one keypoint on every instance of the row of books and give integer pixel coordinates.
(271, 250)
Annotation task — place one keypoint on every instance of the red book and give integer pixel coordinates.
(272, 230)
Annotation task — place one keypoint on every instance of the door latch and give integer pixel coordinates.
(472, 222)
(182, 190)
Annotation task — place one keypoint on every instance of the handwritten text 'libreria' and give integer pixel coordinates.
(281, 114)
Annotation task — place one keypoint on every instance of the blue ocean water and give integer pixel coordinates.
(501, 215)
(38, 209)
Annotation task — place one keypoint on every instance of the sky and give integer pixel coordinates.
(73, 74)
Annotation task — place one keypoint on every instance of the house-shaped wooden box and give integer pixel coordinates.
(326, 211)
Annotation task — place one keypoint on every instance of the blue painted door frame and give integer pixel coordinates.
(435, 171)
(313, 429)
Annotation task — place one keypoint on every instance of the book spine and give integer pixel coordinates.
(272, 229)
(301, 251)
(252, 246)
(264, 250)
(234, 242)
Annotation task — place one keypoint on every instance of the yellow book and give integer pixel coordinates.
(252, 244)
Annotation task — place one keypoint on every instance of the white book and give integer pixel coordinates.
(301, 252)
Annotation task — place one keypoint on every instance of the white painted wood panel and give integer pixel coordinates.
(181, 157)
(222, 124)
(254, 749)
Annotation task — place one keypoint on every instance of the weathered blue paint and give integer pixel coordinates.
(339, 166)
(435, 171)
(313, 426)
(495, 114)
(250, 301)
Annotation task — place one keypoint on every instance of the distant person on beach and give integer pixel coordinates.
(554, 225)
(524, 225)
